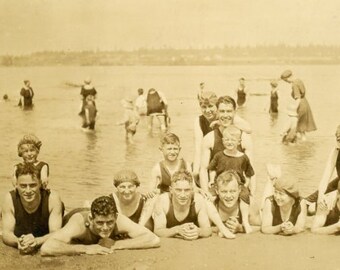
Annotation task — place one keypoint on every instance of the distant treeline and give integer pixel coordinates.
(280, 54)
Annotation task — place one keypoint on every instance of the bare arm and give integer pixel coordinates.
(319, 221)
(8, 222)
(198, 137)
(155, 177)
(60, 242)
(242, 124)
(267, 220)
(140, 236)
(147, 211)
(203, 219)
(207, 144)
(329, 169)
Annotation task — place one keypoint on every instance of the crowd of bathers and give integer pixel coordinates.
(214, 194)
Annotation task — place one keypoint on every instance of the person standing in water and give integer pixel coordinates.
(274, 97)
(305, 116)
(157, 106)
(140, 102)
(27, 94)
(241, 93)
(86, 90)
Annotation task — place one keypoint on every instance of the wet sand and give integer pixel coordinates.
(254, 251)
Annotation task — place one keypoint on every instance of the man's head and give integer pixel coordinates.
(231, 137)
(27, 183)
(226, 109)
(170, 146)
(227, 186)
(181, 187)
(103, 216)
(126, 182)
(207, 102)
(29, 147)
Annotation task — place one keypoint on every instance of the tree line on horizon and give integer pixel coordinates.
(260, 54)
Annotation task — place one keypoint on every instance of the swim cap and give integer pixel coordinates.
(125, 176)
(287, 186)
(208, 97)
(29, 139)
(87, 80)
(286, 74)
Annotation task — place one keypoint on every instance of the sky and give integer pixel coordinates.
(36, 25)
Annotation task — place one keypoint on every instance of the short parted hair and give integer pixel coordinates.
(29, 139)
(125, 176)
(170, 138)
(233, 131)
(26, 169)
(182, 175)
(226, 100)
(103, 206)
(226, 177)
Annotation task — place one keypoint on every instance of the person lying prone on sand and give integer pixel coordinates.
(92, 232)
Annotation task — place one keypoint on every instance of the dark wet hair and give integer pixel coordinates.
(103, 206)
(226, 100)
(182, 175)
(140, 91)
(169, 138)
(26, 169)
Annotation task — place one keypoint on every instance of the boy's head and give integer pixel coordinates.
(231, 137)
(227, 186)
(170, 146)
(29, 147)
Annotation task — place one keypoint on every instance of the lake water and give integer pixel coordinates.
(82, 164)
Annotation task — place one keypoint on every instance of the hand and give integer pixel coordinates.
(27, 244)
(206, 194)
(97, 249)
(233, 225)
(106, 242)
(211, 184)
(226, 233)
(287, 228)
(322, 206)
(188, 231)
(151, 194)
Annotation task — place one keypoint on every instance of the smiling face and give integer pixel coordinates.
(170, 151)
(29, 153)
(28, 187)
(228, 192)
(281, 197)
(209, 111)
(230, 140)
(225, 114)
(126, 191)
(182, 192)
(102, 225)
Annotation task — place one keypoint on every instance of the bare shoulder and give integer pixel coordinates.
(7, 203)
(199, 201)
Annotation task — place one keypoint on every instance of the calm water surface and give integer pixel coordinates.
(82, 164)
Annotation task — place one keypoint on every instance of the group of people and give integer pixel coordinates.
(187, 201)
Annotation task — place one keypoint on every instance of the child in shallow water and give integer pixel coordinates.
(289, 133)
(130, 119)
(28, 149)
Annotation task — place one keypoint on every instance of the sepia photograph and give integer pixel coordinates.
(194, 134)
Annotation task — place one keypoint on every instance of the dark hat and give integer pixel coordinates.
(286, 74)
(125, 176)
(289, 186)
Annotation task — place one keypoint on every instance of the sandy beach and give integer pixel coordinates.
(254, 251)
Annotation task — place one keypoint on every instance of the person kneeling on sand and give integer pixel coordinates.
(92, 232)
(30, 213)
(228, 187)
(181, 212)
(327, 218)
(284, 212)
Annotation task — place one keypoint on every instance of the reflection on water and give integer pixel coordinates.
(82, 164)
